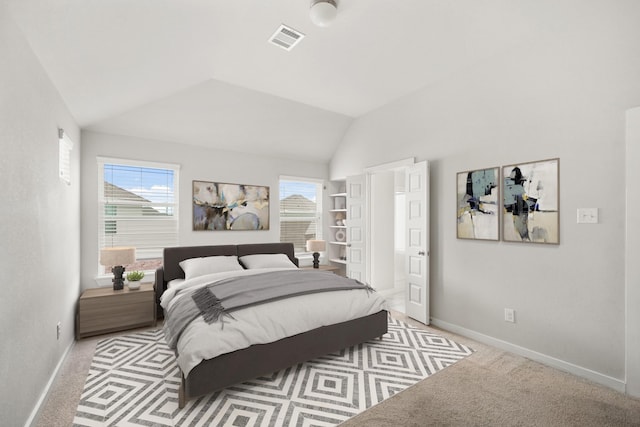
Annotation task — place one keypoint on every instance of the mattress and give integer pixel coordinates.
(267, 322)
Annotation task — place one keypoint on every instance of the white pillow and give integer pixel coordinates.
(174, 282)
(194, 267)
(267, 261)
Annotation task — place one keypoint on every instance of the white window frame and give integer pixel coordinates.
(65, 145)
(320, 186)
(102, 204)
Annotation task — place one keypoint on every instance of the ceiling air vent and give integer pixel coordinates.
(286, 37)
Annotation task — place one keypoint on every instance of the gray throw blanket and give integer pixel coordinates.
(217, 300)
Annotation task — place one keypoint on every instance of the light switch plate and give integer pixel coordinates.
(587, 215)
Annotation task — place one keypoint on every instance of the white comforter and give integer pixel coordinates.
(266, 322)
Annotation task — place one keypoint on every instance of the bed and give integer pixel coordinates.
(202, 374)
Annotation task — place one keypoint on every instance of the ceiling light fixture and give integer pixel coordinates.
(323, 12)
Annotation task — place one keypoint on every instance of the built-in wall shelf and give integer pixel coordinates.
(338, 229)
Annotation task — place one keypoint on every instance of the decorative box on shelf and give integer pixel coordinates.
(339, 201)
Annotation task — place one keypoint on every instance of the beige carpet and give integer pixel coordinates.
(489, 388)
(504, 390)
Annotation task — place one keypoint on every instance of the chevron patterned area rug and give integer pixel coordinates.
(133, 381)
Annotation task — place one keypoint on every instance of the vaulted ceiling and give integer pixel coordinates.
(202, 71)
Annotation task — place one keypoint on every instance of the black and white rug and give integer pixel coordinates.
(133, 381)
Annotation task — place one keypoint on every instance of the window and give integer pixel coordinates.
(300, 211)
(65, 145)
(137, 206)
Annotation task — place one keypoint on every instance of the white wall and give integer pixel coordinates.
(633, 252)
(565, 96)
(196, 163)
(39, 229)
(381, 208)
(400, 228)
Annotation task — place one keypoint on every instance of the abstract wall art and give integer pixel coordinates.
(531, 202)
(222, 206)
(478, 204)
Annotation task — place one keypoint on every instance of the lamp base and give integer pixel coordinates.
(316, 259)
(118, 280)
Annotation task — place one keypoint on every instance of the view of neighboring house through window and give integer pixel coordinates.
(300, 211)
(138, 207)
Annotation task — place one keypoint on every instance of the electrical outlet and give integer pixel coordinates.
(509, 315)
(58, 330)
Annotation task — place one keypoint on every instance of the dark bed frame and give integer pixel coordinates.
(242, 365)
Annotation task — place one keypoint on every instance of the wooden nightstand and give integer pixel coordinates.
(102, 310)
(322, 267)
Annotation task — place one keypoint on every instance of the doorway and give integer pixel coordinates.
(387, 230)
(374, 200)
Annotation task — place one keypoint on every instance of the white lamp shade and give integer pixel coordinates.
(323, 12)
(316, 245)
(117, 256)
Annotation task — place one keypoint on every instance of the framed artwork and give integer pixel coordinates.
(222, 206)
(531, 202)
(478, 204)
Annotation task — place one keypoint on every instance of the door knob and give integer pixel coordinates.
(421, 253)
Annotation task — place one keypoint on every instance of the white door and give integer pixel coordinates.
(417, 242)
(356, 228)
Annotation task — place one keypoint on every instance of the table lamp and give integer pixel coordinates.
(116, 258)
(316, 246)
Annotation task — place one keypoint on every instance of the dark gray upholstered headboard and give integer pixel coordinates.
(171, 269)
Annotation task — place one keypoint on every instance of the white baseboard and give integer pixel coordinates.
(47, 389)
(614, 383)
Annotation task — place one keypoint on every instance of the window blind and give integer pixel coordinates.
(138, 206)
(300, 211)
